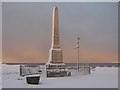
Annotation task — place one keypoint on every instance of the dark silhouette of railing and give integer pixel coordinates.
(30, 69)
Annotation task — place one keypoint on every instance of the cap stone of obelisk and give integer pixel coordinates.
(55, 54)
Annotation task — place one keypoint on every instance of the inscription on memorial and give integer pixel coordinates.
(56, 55)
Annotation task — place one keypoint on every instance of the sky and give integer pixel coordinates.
(0, 32)
(27, 31)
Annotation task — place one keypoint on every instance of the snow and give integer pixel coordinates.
(36, 75)
(102, 77)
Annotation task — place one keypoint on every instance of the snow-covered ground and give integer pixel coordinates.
(102, 77)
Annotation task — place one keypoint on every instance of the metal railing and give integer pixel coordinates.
(30, 70)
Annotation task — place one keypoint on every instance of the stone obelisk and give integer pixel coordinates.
(55, 54)
(55, 66)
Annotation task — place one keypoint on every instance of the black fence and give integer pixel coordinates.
(30, 69)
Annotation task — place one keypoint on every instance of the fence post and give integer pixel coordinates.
(20, 70)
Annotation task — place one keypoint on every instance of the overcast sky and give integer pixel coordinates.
(27, 31)
(0, 31)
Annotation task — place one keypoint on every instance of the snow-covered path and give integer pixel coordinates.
(102, 77)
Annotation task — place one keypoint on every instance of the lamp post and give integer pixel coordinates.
(78, 39)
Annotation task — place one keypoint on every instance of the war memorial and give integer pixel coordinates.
(55, 66)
